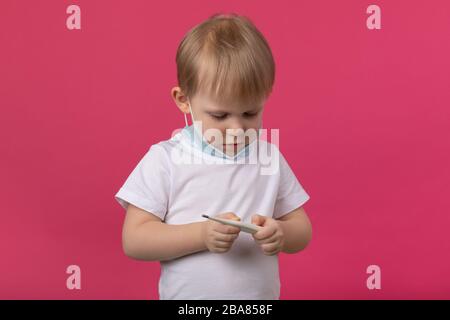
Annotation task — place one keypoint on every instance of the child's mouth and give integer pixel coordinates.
(232, 144)
(233, 148)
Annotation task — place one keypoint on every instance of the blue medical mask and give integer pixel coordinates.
(200, 143)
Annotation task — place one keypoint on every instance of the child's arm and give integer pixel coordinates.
(291, 233)
(297, 230)
(146, 237)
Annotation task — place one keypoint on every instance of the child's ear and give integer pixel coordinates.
(180, 99)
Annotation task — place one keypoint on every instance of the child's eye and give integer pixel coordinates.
(250, 115)
(219, 116)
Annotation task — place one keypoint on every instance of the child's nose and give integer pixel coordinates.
(235, 124)
(236, 135)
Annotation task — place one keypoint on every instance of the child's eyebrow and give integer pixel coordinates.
(218, 111)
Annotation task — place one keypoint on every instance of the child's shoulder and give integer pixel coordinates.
(160, 152)
(165, 146)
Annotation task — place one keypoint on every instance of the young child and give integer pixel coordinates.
(225, 74)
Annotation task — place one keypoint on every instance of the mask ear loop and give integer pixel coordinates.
(192, 116)
(185, 120)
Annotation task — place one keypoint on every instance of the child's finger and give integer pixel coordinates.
(226, 229)
(225, 237)
(269, 247)
(222, 244)
(258, 219)
(272, 238)
(229, 215)
(271, 253)
(264, 233)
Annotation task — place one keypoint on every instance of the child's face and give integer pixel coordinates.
(231, 120)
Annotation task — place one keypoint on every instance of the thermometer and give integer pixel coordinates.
(246, 227)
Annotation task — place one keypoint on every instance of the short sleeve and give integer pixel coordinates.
(148, 185)
(291, 194)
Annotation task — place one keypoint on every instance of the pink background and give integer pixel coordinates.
(363, 116)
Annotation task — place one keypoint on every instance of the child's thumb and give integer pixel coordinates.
(230, 215)
(258, 219)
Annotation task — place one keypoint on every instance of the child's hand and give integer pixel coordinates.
(219, 237)
(270, 237)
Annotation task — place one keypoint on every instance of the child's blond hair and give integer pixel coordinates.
(227, 58)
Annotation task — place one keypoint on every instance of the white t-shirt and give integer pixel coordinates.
(179, 192)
